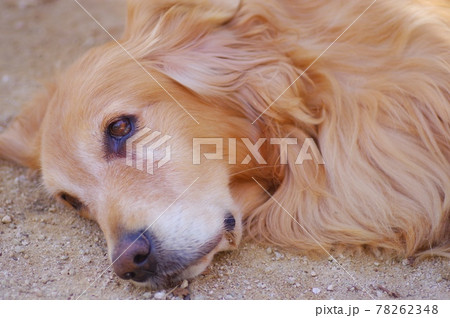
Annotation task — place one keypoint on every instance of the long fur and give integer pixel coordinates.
(377, 102)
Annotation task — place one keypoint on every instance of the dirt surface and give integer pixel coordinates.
(49, 252)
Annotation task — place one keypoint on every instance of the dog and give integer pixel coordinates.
(365, 84)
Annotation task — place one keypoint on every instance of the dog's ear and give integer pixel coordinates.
(144, 16)
(20, 142)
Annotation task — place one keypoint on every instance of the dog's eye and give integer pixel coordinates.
(229, 222)
(74, 202)
(120, 128)
(116, 133)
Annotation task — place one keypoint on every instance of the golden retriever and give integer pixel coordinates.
(373, 94)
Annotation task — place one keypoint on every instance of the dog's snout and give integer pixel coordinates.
(134, 257)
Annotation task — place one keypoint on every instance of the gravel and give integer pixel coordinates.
(184, 284)
(160, 295)
(6, 219)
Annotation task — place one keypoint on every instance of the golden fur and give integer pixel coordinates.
(377, 103)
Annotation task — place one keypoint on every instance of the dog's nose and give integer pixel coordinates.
(133, 257)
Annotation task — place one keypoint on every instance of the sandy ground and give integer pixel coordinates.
(49, 252)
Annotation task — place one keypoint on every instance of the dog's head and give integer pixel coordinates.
(101, 129)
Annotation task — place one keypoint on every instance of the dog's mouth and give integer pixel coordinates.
(178, 267)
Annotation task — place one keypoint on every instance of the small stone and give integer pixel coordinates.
(147, 295)
(269, 250)
(19, 249)
(405, 262)
(38, 292)
(379, 293)
(41, 237)
(184, 284)
(6, 219)
(228, 297)
(313, 274)
(25, 243)
(439, 279)
(161, 295)
(278, 256)
(52, 209)
(376, 264)
(316, 290)
(64, 257)
(330, 288)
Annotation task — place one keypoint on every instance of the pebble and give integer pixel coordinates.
(330, 288)
(147, 295)
(19, 249)
(376, 264)
(439, 279)
(316, 290)
(161, 295)
(278, 256)
(184, 284)
(405, 262)
(269, 250)
(228, 297)
(6, 219)
(52, 209)
(379, 293)
(64, 257)
(313, 274)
